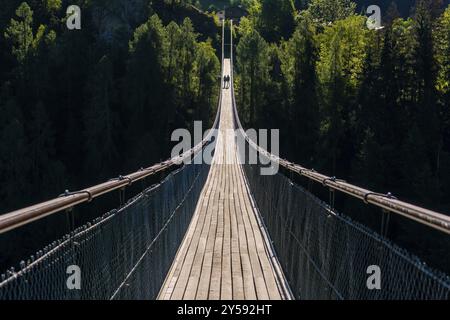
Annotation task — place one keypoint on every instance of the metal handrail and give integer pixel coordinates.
(18, 218)
(435, 220)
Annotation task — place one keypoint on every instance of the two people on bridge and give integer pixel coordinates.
(226, 82)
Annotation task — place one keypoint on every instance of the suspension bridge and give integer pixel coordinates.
(223, 231)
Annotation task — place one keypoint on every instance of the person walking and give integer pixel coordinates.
(227, 82)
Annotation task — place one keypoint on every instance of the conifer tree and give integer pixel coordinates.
(20, 32)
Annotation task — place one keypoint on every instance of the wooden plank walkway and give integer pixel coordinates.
(225, 253)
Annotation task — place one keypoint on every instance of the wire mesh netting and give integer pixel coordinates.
(124, 254)
(326, 255)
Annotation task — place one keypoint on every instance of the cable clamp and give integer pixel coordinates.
(303, 170)
(324, 181)
(121, 178)
(68, 193)
(387, 195)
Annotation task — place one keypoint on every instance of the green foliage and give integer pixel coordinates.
(252, 63)
(371, 107)
(252, 6)
(80, 107)
(207, 69)
(362, 104)
(214, 5)
(181, 55)
(20, 32)
(53, 5)
(76, 101)
(172, 78)
(343, 49)
(276, 19)
(246, 26)
(442, 45)
(442, 56)
(327, 11)
(175, 3)
(298, 64)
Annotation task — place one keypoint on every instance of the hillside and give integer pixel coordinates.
(203, 23)
(404, 6)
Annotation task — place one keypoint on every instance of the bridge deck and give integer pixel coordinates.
(225, 254)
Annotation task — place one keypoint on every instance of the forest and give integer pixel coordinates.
(368, 106)
(371, 107)
(79, 107)
(404, 7)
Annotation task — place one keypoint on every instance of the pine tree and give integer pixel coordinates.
(207, 69)
(181, 56)
(14, 157)
(188, 47)
(276, 20)
(442, 58)
(343, 50)
(392, 13)
(252, 64)
(146, 117)
(20, 32)
(426, 115)
(100, 123)
(442, 52)
(40, 143)
(300, 73)
(328, 11)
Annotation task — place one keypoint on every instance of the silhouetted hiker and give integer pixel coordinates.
(226, 82)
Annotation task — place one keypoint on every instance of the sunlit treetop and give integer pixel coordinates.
(328, 11)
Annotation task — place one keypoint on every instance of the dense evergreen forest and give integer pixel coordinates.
(404, 7)
(368, 106)
(81, 106)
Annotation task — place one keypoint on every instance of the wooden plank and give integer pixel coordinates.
(238, 281)
(227, 285)
(204, 283)
(216, 273)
